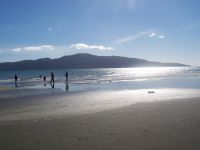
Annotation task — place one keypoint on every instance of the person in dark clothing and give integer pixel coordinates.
(16, 78)
(66, 75)
(44, 78)
(16, 81)
(52, 77)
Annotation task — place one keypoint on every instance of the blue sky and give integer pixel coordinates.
(159, 30)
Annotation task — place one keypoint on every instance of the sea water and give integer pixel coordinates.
(106, 78)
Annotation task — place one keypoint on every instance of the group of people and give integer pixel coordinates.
(44, 79)
(52, 77)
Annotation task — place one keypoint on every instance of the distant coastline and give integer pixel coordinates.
(84, 61)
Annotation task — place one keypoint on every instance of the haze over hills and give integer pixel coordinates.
(83, 61)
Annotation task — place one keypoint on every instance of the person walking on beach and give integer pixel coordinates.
(66, 75)
(52, 78)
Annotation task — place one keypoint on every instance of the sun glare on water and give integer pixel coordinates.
(150, 71)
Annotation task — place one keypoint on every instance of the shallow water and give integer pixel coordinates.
(121, 78)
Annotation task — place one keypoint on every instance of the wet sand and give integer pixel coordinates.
(101, 120)
(27, 104)
(2, 89)
(166, 125)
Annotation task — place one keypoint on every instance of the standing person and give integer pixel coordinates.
(44, 78)
(66, 75)
(16, 78)
(52, 77)
(16, 81)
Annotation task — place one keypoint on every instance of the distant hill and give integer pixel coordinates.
(83, 61)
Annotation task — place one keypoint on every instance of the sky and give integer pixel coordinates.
(158, 30)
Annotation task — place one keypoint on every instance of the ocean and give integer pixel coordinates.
(134, 78)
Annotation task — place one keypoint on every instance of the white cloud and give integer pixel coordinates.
(39, 48)
(130, 38)
(17, 49)
(34, 48)
(80, 46)
(152, 34)
(161, 37)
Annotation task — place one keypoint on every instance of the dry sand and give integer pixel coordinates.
(165, 125)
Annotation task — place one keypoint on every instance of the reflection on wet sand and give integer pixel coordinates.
(67, 86)
(52, 85)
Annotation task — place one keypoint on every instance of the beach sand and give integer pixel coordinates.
(2, 89)
(166, 125)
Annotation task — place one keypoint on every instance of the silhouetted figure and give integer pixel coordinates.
(40, 76)
(66, 75)
(52, 85)
(16, 81)
(52, 78)
(44, 78)
(15, 78)
(67, 86)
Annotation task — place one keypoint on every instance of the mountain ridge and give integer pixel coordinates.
(84, 61)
